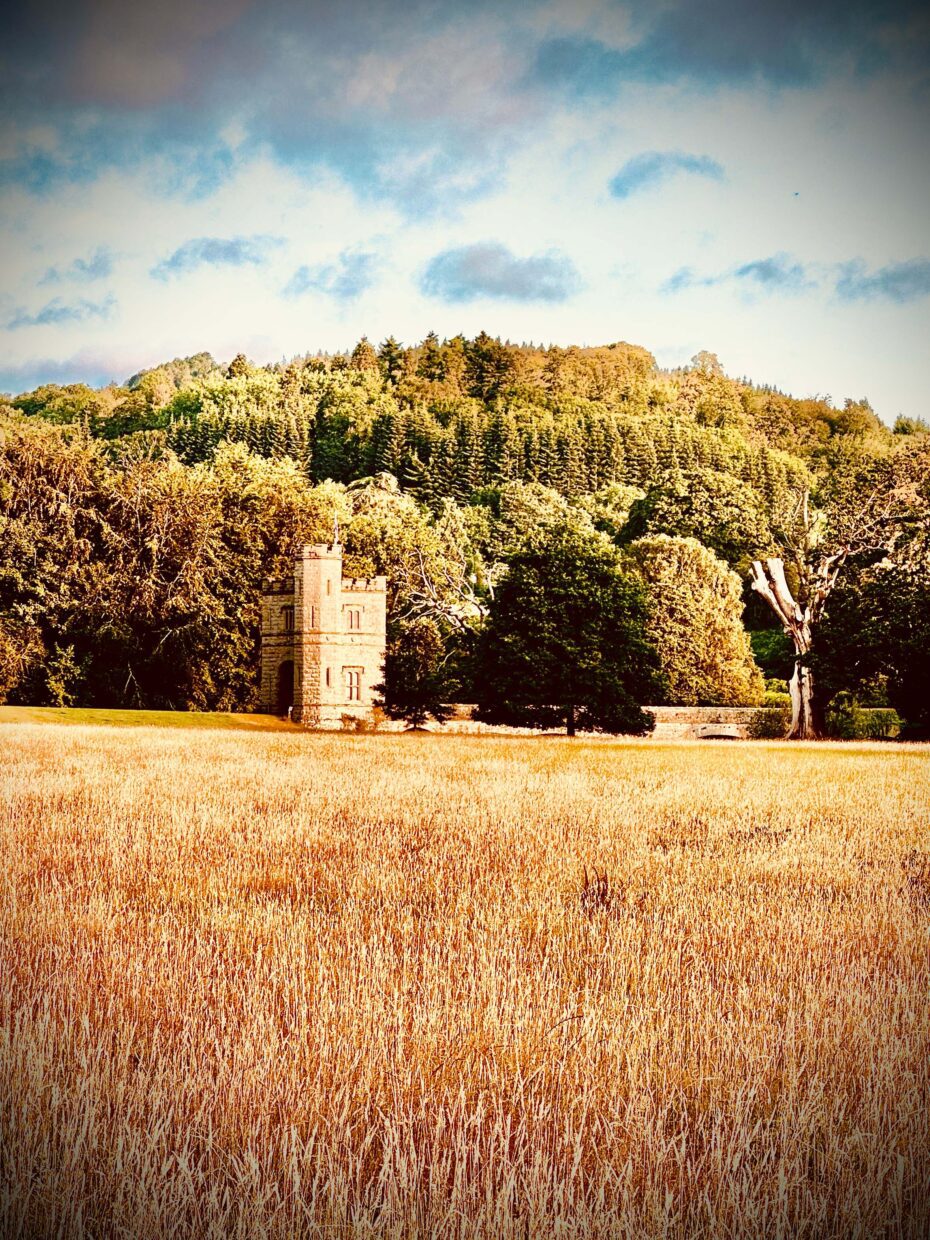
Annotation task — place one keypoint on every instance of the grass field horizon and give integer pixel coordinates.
(284, 983)
(72, 716)
(256, 722)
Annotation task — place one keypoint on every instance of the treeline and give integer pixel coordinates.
(136, 522)
(477, 411)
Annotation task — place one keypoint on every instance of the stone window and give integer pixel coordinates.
(353, 677)
(353, 617)
(287, 619)
(329, 677)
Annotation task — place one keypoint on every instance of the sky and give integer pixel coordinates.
(278, 177)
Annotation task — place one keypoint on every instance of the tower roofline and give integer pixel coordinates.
(320, 551)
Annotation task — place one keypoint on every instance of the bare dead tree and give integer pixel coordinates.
(443, 591)
(866, 516)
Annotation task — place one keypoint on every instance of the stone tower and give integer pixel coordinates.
(323, 640)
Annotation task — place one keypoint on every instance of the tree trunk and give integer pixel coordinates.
(570, 721)
(807, 716)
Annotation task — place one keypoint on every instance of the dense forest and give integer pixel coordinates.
(771, 539)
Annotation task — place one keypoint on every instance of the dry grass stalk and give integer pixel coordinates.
(354, 986)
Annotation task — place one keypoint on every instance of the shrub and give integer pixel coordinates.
(776, 698)
(848, 721)
(770, 723)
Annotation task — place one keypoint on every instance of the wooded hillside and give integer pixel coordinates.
(136, 521)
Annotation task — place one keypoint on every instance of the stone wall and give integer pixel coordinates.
(277, 639)
(672, 722)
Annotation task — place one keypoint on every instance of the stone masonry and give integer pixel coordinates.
(323, 640)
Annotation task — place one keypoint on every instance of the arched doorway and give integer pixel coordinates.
(285, 694)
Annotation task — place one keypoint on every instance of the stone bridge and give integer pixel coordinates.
(702, 722)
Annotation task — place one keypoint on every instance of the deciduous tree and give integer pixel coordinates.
(694, 619)
(415, 686)
(867, 508)
(565, 642)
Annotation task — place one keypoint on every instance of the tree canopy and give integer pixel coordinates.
(705, 663)
(564, 642)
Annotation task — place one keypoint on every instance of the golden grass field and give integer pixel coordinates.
(297, 985)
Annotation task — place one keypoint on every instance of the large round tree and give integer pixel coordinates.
(695, 622)
(564, 644)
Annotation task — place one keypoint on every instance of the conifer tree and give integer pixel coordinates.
(454, 363)
(431, 364)
(489, 366)
(364, 356)
(392, 358)
(467, 458)
(440, 482)
(290, 389)
(385, 449)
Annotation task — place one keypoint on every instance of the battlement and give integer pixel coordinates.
(320, 551)
(278, 585)
(364, 585)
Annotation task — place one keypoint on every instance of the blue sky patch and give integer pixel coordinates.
(899, 282)
(651, 168)
(215, 252)
(489, 269)
(58, 312)
(97, 266)
(352, 274)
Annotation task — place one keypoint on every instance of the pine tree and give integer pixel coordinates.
(531, 455)
(570, 475)
(385, 448)
(291, 438)
(364, 356)
(415, 477)
(393, 360)
(453, 361)
(290, 389)
(642, 465)
(467, 456)
(440, 475)
(502, 449)
(614, 461)
(546, 454)
(489, 367)
(431, 364)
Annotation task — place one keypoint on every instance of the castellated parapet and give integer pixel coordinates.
(323, 641)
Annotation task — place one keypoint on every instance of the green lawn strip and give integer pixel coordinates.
(145, 718)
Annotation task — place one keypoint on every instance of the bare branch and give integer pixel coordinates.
(779, 585)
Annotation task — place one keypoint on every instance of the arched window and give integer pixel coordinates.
(287, 619)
